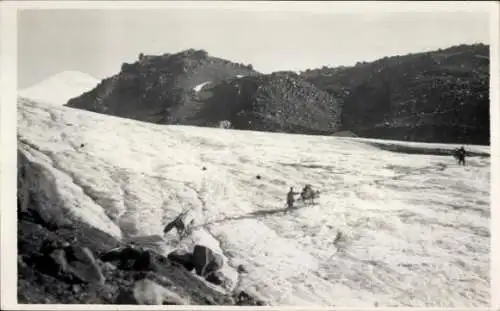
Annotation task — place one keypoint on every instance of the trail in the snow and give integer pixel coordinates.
(214, 196)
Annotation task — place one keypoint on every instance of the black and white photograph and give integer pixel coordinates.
(250, 153)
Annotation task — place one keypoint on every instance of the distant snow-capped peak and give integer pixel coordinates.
(60, 88)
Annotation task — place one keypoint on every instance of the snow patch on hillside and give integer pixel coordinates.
(199, 87)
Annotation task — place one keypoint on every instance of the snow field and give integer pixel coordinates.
(391, 229)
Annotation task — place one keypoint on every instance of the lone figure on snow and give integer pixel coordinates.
(290, 199)
(460, 155)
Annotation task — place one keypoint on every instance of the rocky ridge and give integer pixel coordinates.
(438, 96)
(193, 88)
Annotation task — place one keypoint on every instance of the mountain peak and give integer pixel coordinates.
(59, 88)
(435, 96)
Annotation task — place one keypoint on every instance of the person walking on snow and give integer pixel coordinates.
(290, 198)
(461, 155)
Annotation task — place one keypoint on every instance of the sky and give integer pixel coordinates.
(97, 42)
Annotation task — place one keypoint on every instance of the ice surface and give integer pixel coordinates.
(391, 229)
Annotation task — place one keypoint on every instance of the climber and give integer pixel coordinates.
(460, 154)
(290, 199)
(308, 194)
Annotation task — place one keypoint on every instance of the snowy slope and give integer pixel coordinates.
(59, 88)
(414, 228)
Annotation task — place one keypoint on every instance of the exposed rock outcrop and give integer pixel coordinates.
(192, 88)
(160, 89)
(439, 96)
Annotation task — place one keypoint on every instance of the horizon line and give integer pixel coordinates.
(300, 70)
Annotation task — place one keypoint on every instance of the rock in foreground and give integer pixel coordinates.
(43, 280)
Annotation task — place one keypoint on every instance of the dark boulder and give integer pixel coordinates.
(215, 278)
(72, 263)
(245, 299)
(183, 258)
(206, 261)
(242, 269)
(131, 258)
(218, 278)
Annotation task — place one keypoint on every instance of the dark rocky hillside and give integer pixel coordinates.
(279, 102)
(192, 88)
(439, 96)
(155, 88)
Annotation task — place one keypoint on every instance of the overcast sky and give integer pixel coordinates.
(98, 42)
